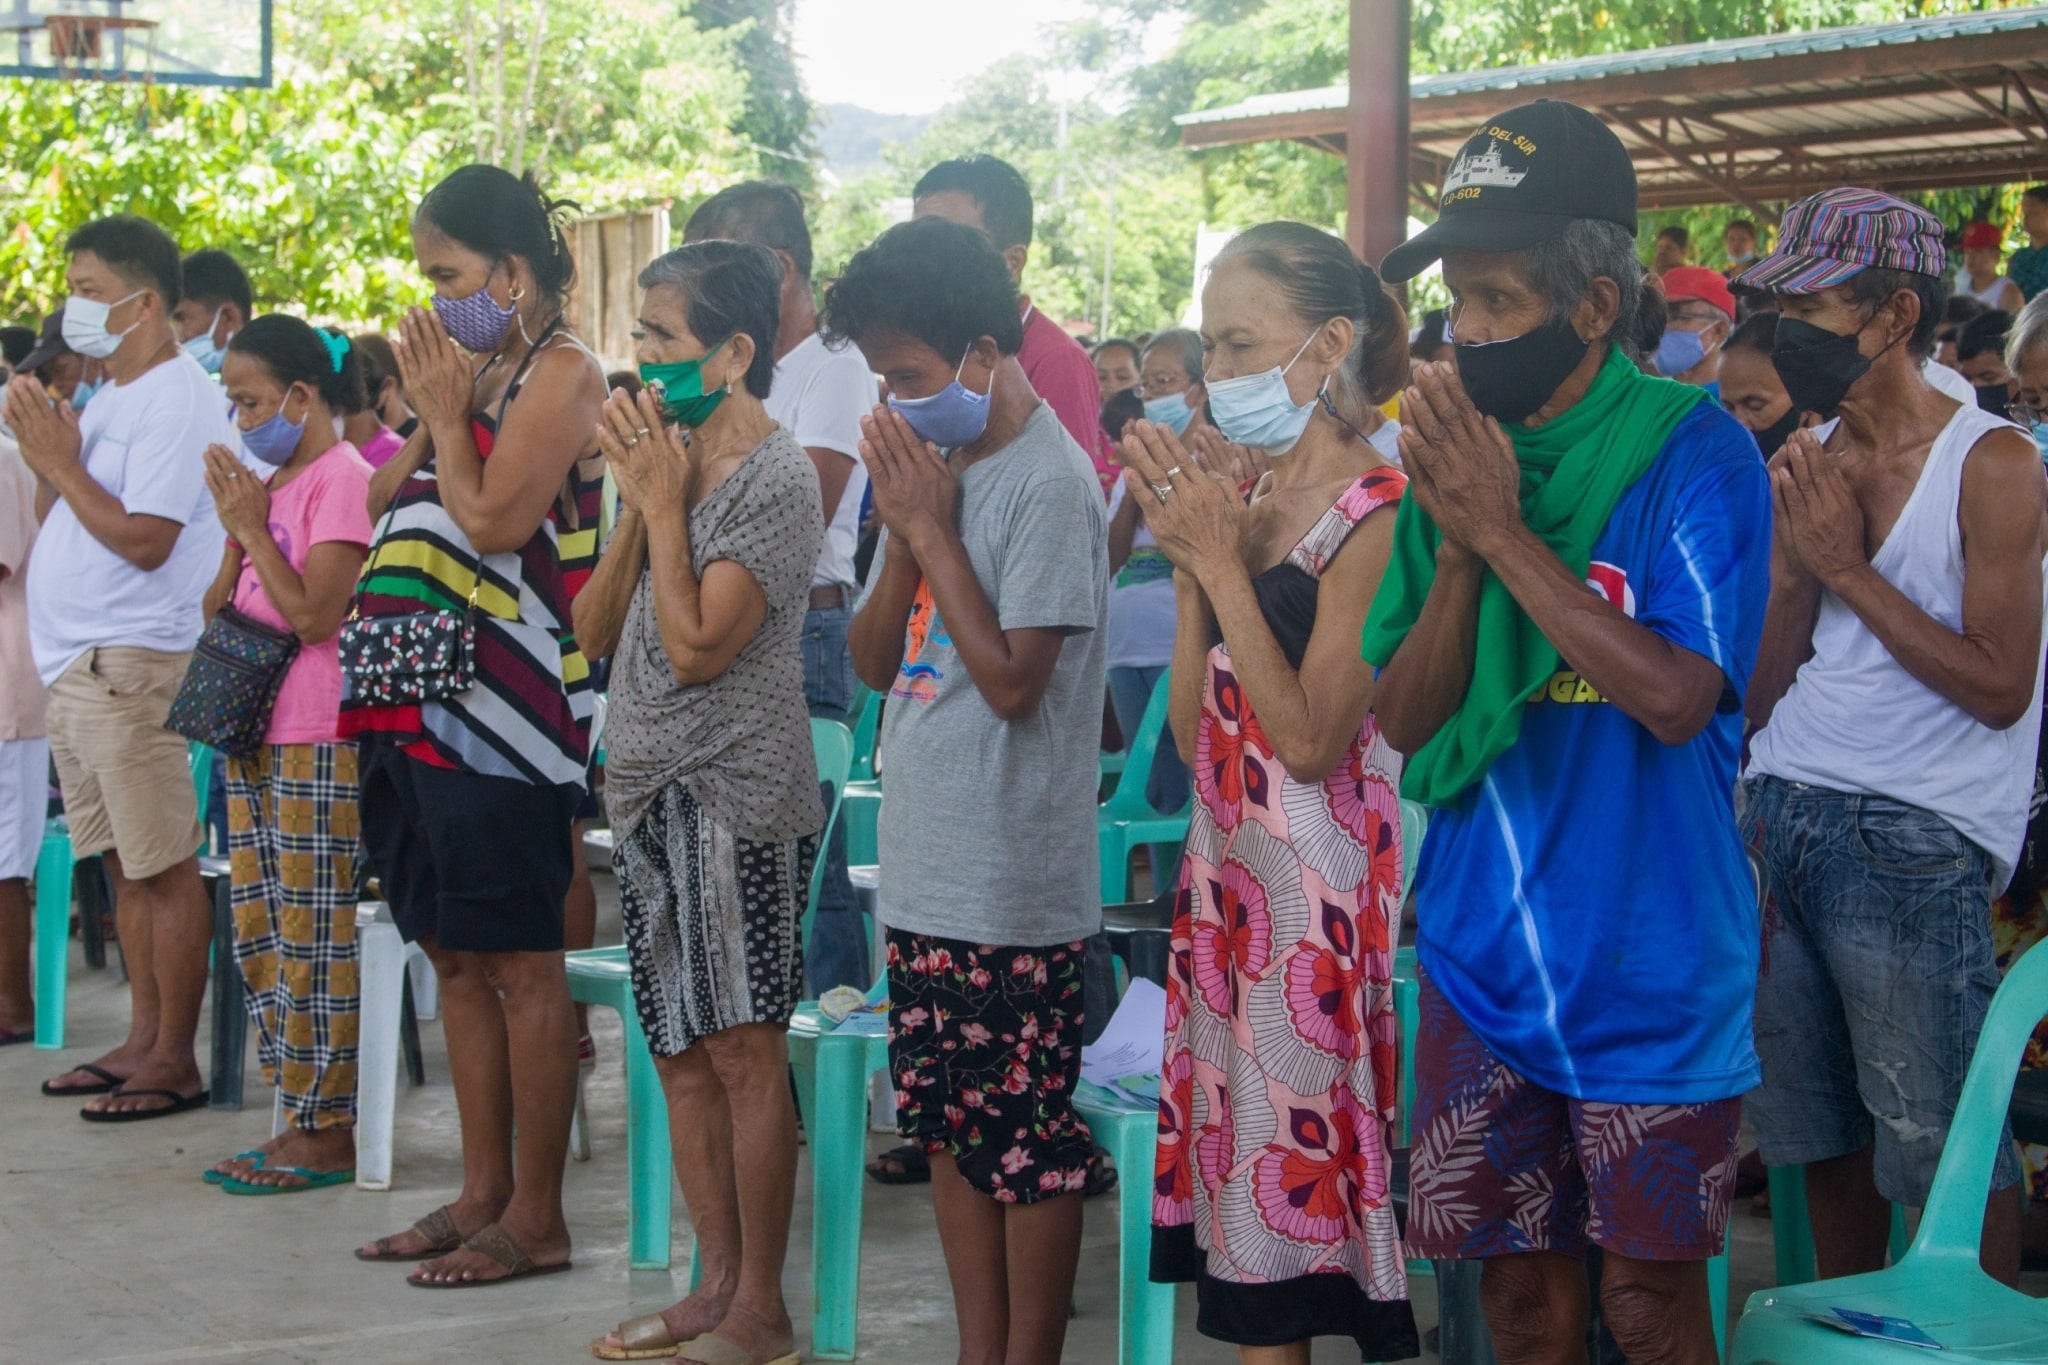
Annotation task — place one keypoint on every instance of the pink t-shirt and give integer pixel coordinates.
(379, 449)
(325, 502)
(1062, 374)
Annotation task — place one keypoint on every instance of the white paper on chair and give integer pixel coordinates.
(1134, 1044)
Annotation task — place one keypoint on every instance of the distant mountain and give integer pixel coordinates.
(852, 138)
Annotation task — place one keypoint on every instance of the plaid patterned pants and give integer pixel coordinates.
(293, 847)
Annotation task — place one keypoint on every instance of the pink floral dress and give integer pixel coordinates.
(1271, 1177)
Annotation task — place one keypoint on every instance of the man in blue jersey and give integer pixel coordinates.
(1564, 634)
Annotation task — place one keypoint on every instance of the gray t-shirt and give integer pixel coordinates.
(987, 828)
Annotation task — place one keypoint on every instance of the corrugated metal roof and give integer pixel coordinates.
(1650, 60)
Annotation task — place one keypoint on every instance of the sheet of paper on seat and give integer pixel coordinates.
(1135, 1041)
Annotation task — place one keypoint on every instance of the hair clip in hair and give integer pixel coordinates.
(337, 346)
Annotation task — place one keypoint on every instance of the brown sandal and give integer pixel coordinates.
(495, 1243)
(437, 1229)
(642, 1338)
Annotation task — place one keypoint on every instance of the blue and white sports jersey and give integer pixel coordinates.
(1588, 907)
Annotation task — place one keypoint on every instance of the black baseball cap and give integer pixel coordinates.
(1521, 179)
(48, 346)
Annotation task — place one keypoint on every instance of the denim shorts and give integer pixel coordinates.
(1876, 975)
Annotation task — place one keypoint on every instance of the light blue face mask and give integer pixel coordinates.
(955, 416)
(1679, 351)
(1170, 411)
(202, 349)
(2040, 430)
(1257, 410)
(82, 395)
(273, 440)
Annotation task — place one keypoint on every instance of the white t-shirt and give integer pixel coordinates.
(1952, 382)
(820, 395)
(145, 443)
(1141, 605)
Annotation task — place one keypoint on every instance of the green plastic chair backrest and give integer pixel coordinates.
(1128, 801)
(1414, 824)
(833, 744)
(867, 715)
(201, 759)
(1952, 1227)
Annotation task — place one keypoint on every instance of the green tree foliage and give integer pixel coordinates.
(779, 122)
(615, 103)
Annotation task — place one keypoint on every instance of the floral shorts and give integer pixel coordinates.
(985, 1049)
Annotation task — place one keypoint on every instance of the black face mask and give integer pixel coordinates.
(1773, 437)
(1508, 380)
(1817, 366)
(1994, 398)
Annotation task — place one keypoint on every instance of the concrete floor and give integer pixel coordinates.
(112, 1251)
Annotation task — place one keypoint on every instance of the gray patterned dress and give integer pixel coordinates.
(712, 787)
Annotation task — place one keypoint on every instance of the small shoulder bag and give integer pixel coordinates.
(232, 683)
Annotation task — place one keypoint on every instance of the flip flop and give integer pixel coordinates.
(8, 1037)
(642, 1338)
(213, 1177)
(315, 1180)
(107, 1078)
(178, 1105)
(437, 1229)
(912, 1166)
(713, 1349)
(494, 1242)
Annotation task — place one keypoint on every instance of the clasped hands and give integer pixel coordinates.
(1460, 464)
(1193, 511)
(1816, 523)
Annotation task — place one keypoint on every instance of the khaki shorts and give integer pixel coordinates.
(127, 781)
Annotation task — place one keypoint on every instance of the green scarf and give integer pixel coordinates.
(1574, 470)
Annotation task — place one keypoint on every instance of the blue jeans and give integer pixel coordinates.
(1166, 786)
(837, 952)
(1877, 973)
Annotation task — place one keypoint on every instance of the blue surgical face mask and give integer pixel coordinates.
(82, 395)
(1257, 410)
(273, 440)
(202, 348)
(1679, 351)
(1170, 411)
(955, 416)
(2040, 430)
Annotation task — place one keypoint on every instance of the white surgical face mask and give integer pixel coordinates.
(1257, 410)
(85, 325)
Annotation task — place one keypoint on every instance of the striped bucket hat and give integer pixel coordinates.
(1827, 237)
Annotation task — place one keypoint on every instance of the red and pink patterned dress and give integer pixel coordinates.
(1271, 1178)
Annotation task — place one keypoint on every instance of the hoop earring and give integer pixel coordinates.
(517, 295)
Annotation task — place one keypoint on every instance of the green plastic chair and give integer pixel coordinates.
(1127, 818)
(861, 805)
(866, 710)
(1408, 1013)
(54, 870)
(832, 1071)
(604, 977)
(1131, 1133)
(1937, 1283)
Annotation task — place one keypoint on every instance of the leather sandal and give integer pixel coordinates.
(496, 1244)
(642, 1338)
(437, 1229)
(713, 1349)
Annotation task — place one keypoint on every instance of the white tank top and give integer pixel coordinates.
(1854, 720)
(1988, 295)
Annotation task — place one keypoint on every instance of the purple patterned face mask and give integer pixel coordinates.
(474, 320)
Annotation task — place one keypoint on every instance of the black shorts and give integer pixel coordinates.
(985, 1050)
(480, 863)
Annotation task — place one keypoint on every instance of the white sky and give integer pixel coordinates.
(909, 56)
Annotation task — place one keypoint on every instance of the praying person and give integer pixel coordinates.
(983, 620)
(1564, 633)
(819, 396)
(467, 799)
(217, 303)
(128, 544)
(1751, 391)
(1699, 312)
(296, 542)
(709, 774)
(987, 193)
(24, 748)
(1883, 859)
(1279, 1061)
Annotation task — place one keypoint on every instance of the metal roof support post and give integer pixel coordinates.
(1376, 129)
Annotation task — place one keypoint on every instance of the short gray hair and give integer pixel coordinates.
(1563, 267)
(2029, 330)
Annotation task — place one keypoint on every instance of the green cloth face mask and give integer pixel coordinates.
(679, 387)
